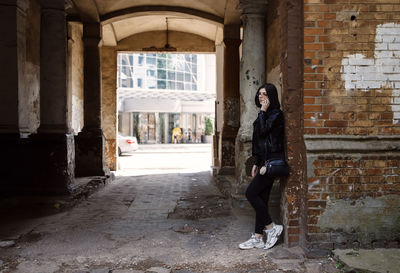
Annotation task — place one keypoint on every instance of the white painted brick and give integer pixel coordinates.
(396, 108)
(374, 77)
(386, 38)
(381, 46)
(396, 53)
(396, 115)
(369, 84)
(396, 39)
(349, 69)
(353, 77)
(387, 61)
(396, 93)
(397, 85)
(384, 54)
(393, 77)
(361, 61)
(387, 25)
(386, 69)
(366, 69)
(396, 68)
(389, 31)
(396, 100)
(349, 85)
(393, 46)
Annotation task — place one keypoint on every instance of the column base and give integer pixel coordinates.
(228, 151)
(90, 157)
(51, 164)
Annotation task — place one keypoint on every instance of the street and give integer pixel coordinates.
(166, 158)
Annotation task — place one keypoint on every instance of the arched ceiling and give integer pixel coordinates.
(124, 18)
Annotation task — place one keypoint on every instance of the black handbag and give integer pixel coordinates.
(277, 167)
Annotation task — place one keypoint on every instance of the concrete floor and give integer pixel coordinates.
(169, 222)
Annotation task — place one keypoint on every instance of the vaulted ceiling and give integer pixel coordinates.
(124, 18)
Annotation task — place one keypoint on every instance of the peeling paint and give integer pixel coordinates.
(379, 216)
(382, 71)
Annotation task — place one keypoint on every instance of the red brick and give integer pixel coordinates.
(313, 123)
(309, 131)
(334, 123)
(329, 16)
(309, 100)
(293, 239)
(293, 230)
(313, 77)
(322, 131)
(312, 92)
(313, 46)
(312, 108)
(309, 39)
(313, 31)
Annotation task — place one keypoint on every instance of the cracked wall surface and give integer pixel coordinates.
(351, 113)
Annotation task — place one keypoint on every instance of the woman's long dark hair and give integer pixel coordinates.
(272, 94)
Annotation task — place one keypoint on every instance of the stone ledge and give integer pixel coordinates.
(346, 144)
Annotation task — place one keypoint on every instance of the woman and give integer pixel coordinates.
(267, 143)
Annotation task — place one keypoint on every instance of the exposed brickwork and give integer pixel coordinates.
(351, 87)
(350, 179)
(351, 67)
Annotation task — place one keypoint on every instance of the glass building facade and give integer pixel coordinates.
(157, 71)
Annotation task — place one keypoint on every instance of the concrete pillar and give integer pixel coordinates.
(90, 159)
(166, 126)
(158, 127)
(54, 150)
(252, 75)
(231, 98)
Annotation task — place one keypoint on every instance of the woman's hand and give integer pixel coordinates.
(265, 104)
(254, 171)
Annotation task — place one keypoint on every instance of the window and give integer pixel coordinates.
(163, 71)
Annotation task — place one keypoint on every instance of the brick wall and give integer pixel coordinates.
(351, 106)
(352, 67)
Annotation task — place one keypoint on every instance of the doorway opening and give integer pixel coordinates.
(166, 111)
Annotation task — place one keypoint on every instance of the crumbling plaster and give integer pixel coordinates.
(75, 77)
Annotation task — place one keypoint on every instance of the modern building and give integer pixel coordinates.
(158, 92)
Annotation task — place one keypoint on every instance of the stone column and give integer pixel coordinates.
(54, 144)
(13, 58)
(90, 156)
(12, 42)
(109, 103)
(252, 75)
(231, 98)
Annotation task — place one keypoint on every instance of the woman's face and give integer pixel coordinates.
(262, 95)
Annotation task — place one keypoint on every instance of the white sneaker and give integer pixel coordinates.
(252, 242)
(272, 235)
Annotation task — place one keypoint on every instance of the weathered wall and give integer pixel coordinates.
(183, 42)
(109, 103)
(351, 109)
(273, 46)
(75, 75)
(29, 64)
(291, 57)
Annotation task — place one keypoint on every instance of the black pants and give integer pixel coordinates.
(258, 195)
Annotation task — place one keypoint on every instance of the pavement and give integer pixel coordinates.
(168, 222)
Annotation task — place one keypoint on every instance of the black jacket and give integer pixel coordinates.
(268, 136)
